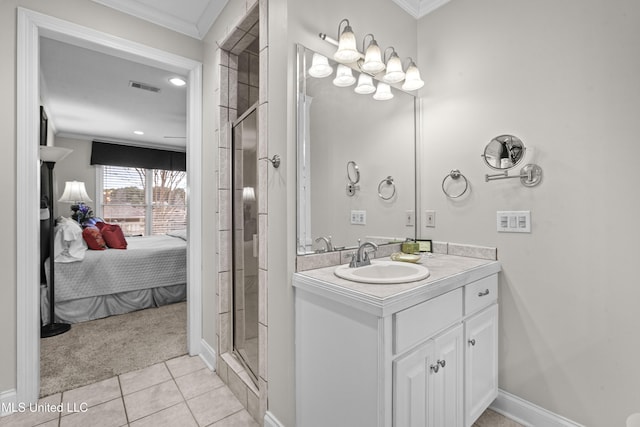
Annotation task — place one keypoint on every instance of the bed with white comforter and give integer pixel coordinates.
(152, 271)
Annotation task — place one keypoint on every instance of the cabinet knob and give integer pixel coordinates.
(472, 341)
(435, 368)
(483, 293)
(442, 363)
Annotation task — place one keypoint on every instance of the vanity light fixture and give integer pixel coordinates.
(365, 85)
(347, 51)
(344, 76)
(383, 92)
(394, 72)
(320, 66)
(412, 80)
(373, 63)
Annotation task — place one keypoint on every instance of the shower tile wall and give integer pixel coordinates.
(242, 58)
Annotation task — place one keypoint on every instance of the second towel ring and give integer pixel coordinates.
(389, 181)
(455, 175)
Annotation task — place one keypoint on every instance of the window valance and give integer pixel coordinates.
(103, 153)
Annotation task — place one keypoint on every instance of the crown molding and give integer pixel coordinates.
(196, 30)
(420, 8)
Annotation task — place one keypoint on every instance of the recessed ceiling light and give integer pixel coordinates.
(138, 132)
(177, 81)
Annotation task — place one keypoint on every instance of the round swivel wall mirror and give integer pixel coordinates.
(504, 152)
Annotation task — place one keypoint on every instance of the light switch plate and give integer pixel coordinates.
(430, 219)
(513, 221)
(359, 217)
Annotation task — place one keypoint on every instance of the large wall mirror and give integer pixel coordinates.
(343, 135)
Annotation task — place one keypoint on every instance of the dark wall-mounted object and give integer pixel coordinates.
(111, 154)
(44, 122)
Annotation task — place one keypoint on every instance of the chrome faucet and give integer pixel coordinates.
(327, 243)
(361, 257)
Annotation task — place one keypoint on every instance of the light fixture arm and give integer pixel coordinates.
(340, 25)
(373, 39)
(410, 61)
(384, 55)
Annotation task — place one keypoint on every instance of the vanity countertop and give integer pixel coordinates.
(447, 272)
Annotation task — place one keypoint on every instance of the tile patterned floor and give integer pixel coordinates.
(179, 392)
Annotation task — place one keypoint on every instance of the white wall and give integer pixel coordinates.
(83, 12)
(74, 167)
(563, 76)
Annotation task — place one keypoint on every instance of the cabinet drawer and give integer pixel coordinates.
(423, 320)
(480, 294)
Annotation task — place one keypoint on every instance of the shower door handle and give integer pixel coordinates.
(255, 246)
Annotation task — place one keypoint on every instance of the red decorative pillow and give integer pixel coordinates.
(94, 239)
(114, 236)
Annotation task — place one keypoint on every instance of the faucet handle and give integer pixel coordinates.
(353, 263)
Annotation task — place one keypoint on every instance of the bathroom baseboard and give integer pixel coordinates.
(8, 402)
(271, 421)
(526, 413)
(208, 355)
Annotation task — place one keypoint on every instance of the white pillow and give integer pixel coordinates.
(69, 246)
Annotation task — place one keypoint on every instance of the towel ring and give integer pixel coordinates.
(389, 181)
(455, 175)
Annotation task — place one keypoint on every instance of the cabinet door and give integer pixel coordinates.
(448, 380)
(481, 362)
(428, 383)
(412, 388)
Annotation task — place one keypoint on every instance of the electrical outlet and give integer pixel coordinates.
(409, 218)
(430, 219)
(359, 217)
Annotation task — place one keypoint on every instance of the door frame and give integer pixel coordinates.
(32, 25)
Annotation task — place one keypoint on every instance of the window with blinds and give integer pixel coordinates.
(144, 201)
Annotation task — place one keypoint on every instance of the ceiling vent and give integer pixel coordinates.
(144, 86)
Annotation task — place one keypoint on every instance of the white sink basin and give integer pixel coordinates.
(383, 272)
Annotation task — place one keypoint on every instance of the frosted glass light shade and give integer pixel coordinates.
(74, 192)
(383, 92)
(373, 59)
(365, 85)
(394, 69)
(347, 51)
(344, 76)
(320, 66)
(412, 80)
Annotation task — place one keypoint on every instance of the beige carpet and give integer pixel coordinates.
(99, 349)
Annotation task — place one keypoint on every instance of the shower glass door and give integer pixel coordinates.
(245, 240)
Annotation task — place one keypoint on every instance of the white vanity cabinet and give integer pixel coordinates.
(385, 356)
(481, 347)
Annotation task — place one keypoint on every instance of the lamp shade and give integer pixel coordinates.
(365, 85)
(347, 51)
(344, 76)
(383, 92)
(74, 192)
(320, 66)
(394, 72)
(412, 80)
(248, 194)
(373, 59)
(53, 154)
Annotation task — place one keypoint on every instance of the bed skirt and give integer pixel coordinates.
(91, 308)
